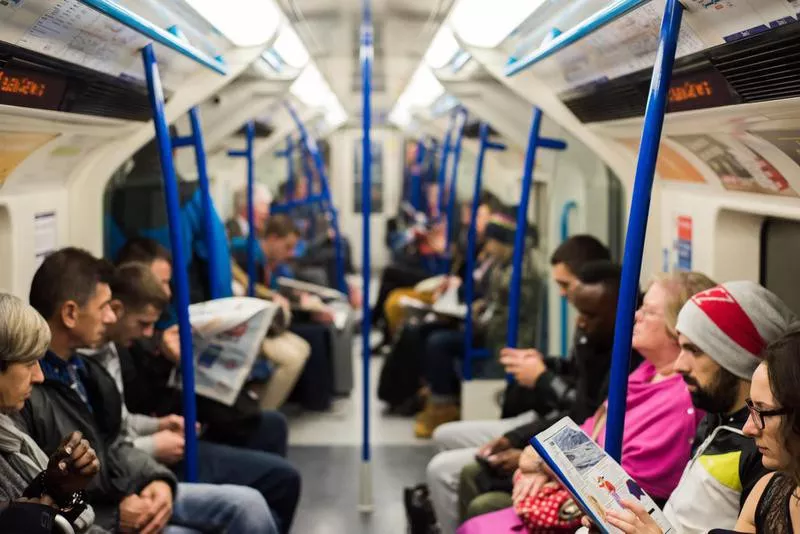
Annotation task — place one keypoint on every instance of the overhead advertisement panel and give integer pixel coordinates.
(629, 44)
(70, 31)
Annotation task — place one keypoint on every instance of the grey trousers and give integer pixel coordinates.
(458, 442)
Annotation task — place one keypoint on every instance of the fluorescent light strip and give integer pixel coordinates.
(242, 22)
(486, 24)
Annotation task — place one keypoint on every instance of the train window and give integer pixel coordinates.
(616, 211)
(780, 255)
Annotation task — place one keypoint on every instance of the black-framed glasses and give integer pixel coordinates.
(759, 416)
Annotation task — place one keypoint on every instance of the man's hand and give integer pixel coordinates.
(172, 422)
(506, 461)
(134, 513)
(171, 344)
(493, 447)
(169, 446)
(159, 495)
(73, 465)
(527, 365)
(283, 302)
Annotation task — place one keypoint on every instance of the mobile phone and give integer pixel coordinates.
(483, 461)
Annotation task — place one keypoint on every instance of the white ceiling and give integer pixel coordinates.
(403, 31)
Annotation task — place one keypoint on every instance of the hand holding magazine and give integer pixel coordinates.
(595, 480)
(226, 338)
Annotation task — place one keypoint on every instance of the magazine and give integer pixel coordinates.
(594, 479)
(226, 340)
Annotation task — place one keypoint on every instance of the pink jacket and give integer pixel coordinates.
(660, 424)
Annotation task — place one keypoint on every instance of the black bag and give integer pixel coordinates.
(419, 511)
(402, 369)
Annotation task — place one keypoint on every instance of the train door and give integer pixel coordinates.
(780, 256)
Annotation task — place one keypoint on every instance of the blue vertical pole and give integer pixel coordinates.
(290, 167)
(568, 207)
(512, 334)
(208, 204)
(452, 208)
(443, 160)
(416, 177)
(366, 58)
(472, 238)
(251, 235)
(637, 225)
(156, 97)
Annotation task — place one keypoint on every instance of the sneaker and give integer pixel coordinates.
(433, 416)
(419, 511)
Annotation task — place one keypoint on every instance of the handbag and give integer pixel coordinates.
(553, 510)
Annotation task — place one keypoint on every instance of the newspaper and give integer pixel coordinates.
(305, 287)
(226, 339)
(594, 479)
(315, 299)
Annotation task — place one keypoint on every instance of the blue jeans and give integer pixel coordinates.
(209, 507)
(271, 435)
(273, 477)
(443, 349)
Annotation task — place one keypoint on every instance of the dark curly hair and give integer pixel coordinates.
(782, 358)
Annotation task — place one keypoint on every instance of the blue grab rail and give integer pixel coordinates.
(288, 153)
(443, 160)
(608, 14)
(416, 177)
(181, 280)
(565, 211)
(452, 208)
(535, 141)
(310, 145)
(637, 225)
(196, 140)
(148, 29)
(470, 353)
(366, 54)
(247, 153)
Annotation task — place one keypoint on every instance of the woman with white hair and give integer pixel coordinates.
(39, 494)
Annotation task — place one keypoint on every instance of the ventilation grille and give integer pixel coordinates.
(619, 102)
(764, 71)
(105, 100)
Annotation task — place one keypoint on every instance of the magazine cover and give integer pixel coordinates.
(226, 339)
(594, 479)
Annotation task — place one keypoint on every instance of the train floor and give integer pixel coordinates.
(326, 447)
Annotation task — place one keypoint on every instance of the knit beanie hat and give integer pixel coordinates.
(501, 227)
(733, 322)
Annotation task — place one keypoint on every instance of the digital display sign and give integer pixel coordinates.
(704, 89)
(31, 89)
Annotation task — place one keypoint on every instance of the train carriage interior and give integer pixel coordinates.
(366, 210)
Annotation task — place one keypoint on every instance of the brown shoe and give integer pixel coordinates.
(433, 416)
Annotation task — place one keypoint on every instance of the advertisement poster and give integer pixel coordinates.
(787, 141)
(739, 167)
(671, 166)
(683, 244)
(15, 147)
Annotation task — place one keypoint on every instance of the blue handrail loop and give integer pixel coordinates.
(535, 141)
(637, 225)
(452, 208)
(564, 326)
(156, 97)
(470, 353)
(174, 41)
(252, 243)
(559, 41)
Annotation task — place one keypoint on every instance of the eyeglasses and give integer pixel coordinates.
(759, 415)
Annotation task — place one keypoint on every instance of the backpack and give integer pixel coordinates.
(400, 376)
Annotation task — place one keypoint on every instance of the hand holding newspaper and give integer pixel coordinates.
(226, 339)
(595, 480)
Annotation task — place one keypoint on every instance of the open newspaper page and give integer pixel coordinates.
(314, 289)
(593, 478)
(226, 339)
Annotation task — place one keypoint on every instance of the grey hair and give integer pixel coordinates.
(24, 334)
(261, 193)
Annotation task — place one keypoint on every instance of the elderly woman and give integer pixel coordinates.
(660, 420)
(39, 494)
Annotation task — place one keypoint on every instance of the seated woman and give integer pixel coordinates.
(444, 348)
(36, 491)
(660, 420)
(773, 506)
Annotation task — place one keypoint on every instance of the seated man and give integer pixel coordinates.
(36, 490)
(132, 491)
(717, 364)
(137, 301)
(151, 361)
(458, 441)
(238, 226)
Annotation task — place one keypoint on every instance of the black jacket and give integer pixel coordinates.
(54, 410)
(573, 387)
